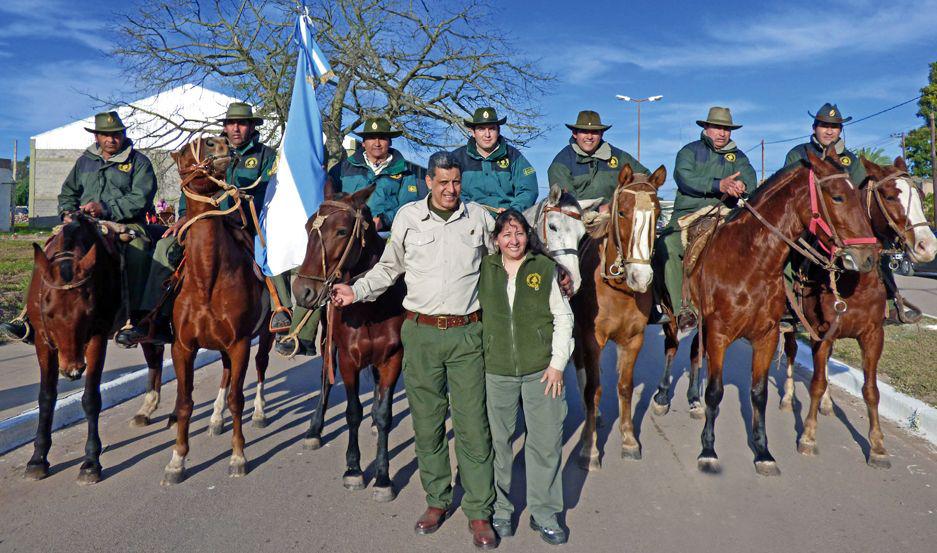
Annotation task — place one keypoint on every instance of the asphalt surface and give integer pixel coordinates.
(293, 500)
(922, 291)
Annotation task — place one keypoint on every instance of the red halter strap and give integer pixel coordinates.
(817, 221)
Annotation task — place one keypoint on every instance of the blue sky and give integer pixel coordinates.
(769, 62)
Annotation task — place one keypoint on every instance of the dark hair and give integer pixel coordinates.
(512, 215)
(442, 160)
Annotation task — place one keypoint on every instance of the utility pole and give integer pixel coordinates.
(14, 160)
(933, 167)
(904, 153)
(762, 160)
(639, 101)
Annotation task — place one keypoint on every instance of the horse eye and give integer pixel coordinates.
(837, 199)
(891, 198)
(621, 213)
(341, 232)
(552, 227)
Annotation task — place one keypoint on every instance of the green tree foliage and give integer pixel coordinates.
(928, 102)
(21, 190)
(917, 146)
(875, 155)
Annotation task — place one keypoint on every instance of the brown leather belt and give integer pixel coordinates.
(443, 322)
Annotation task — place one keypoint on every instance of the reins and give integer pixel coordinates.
(644, 201)
(873, 190)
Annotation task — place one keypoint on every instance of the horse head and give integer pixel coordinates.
(69, 301)
(202, 163)
(557, 222)
(336, 240)
(632, 224)
(899, 214)
(832, 212)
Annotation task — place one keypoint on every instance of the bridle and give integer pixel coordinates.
(872, 189)
(543, 227)
(644, 201)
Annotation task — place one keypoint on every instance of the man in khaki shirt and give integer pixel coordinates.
(438, 244)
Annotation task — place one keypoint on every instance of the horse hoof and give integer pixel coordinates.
(237, 469)
(767, 468)
(384, 495)
(215, 429)
(353, 482)
(90, 475)
(826, 409)
(373, 430)
(312, 443)
(37, 471)
(259, 422)
(658, 409)
(709, 465)
(696, 411)
(807, 447)
(787, 406)
(631, 452)
(139, 421)
(171, 477)
(879, 461)
(590, 463)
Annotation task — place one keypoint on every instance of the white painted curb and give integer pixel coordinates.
(21, 429)
(911, 414)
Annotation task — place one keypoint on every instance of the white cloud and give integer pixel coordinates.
(52, 19)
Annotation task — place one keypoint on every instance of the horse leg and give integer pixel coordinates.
(826, 402)
(790, 352)
(871, 345)
(807, 444)
(240, 358)
(592, 395)
(154, 382)
(627, 354)
(708, 461)
(216, 422)
(762, 354)
(95, 353)
(261, 361)
(313, 437)
(38, 466)
(660, 405)
(693, 385)
(353, 479)
(385, 378)
(183, 361)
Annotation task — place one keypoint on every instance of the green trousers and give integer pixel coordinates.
(137, 256)
(543, 445)
(669, 262)
(434, 362)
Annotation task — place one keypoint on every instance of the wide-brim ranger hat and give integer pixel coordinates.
(108, 121)
(719, 116)
(240, 111)
(377, 126)
(829, 113)
(588, 120)
(484, 116)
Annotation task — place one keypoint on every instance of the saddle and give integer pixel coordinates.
(696, 229)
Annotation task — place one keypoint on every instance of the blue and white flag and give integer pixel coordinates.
(295, 189)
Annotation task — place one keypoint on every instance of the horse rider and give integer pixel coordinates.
(375, 163)
(588, 166)
(249, 170)
(114, 181)
(494, 173)
(709, 172)
(828, 129)
(437, 244)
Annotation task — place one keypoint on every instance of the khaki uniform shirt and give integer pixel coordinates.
(440, 260)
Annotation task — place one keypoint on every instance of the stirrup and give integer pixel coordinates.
(27, 334)
(283, 327)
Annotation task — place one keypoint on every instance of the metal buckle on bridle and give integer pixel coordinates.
(839, 306)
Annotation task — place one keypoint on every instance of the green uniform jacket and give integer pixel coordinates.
(698, 170)
(255, 160)
(847, 159)
(590, 176)
(395, 186)
(521, 345)
(503, 179)
(124, 185)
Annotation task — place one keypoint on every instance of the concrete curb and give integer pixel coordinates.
(21, 429)
(909, 413)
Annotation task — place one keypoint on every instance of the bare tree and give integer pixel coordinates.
(423, 65)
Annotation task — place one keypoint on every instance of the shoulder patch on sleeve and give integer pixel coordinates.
(529, 171)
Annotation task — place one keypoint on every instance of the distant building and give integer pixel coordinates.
(154, 127)
(7, 187)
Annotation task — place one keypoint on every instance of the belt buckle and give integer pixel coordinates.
(442, 323)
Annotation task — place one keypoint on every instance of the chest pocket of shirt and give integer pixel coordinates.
(115, 178)
(471, 248)
(420, 251)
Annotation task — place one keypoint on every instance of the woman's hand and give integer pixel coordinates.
(554, 380)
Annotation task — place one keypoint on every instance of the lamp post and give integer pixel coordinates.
(639, 101)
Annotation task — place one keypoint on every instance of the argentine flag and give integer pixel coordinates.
(295, 188)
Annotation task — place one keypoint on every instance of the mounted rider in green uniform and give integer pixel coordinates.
(113, 181)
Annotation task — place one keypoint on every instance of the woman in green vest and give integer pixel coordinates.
(527, 329)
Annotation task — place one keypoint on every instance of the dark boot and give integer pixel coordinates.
(288, 347)
(280, 322)
(157, 332)
(902, 312)
(686, 322)
(18, 329)
(658, 315)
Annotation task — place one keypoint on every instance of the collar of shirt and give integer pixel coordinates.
(839, 145)
(376, 168)
(603, 152)
(427, 213)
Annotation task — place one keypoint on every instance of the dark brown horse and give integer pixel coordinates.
(893, 204)
(738, 284)
(614, 301)
(343, 244)
(221, 303)
(73, 309)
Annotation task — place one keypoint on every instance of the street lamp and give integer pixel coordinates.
(639, 101)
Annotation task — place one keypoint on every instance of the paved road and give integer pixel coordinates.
(922, 291)
(293, 500)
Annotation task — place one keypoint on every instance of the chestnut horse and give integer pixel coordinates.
(221, 303)
(73, 309)
(614, 301)
(343, 244)
(893, 204)
(738, 287)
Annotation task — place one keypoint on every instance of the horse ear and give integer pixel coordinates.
(588, 205)
(360, 197)
(555, 193)
(40, 259)
(625, 175)
(900, 164)
(871, 167)
(329, 188)
(830, 152)
(818, 165)
(88, 260)
(658, 177)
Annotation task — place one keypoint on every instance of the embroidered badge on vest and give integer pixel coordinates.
(503, 163)
(845, 161)
(533, 280)
(529, 171)
(730, 157)
(613, 162)
(412, 188)
(125, 167)
(251, 162)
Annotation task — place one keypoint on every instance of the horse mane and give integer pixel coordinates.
(766, 191)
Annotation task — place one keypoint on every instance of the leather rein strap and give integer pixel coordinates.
(644, 199)
(543, 227)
